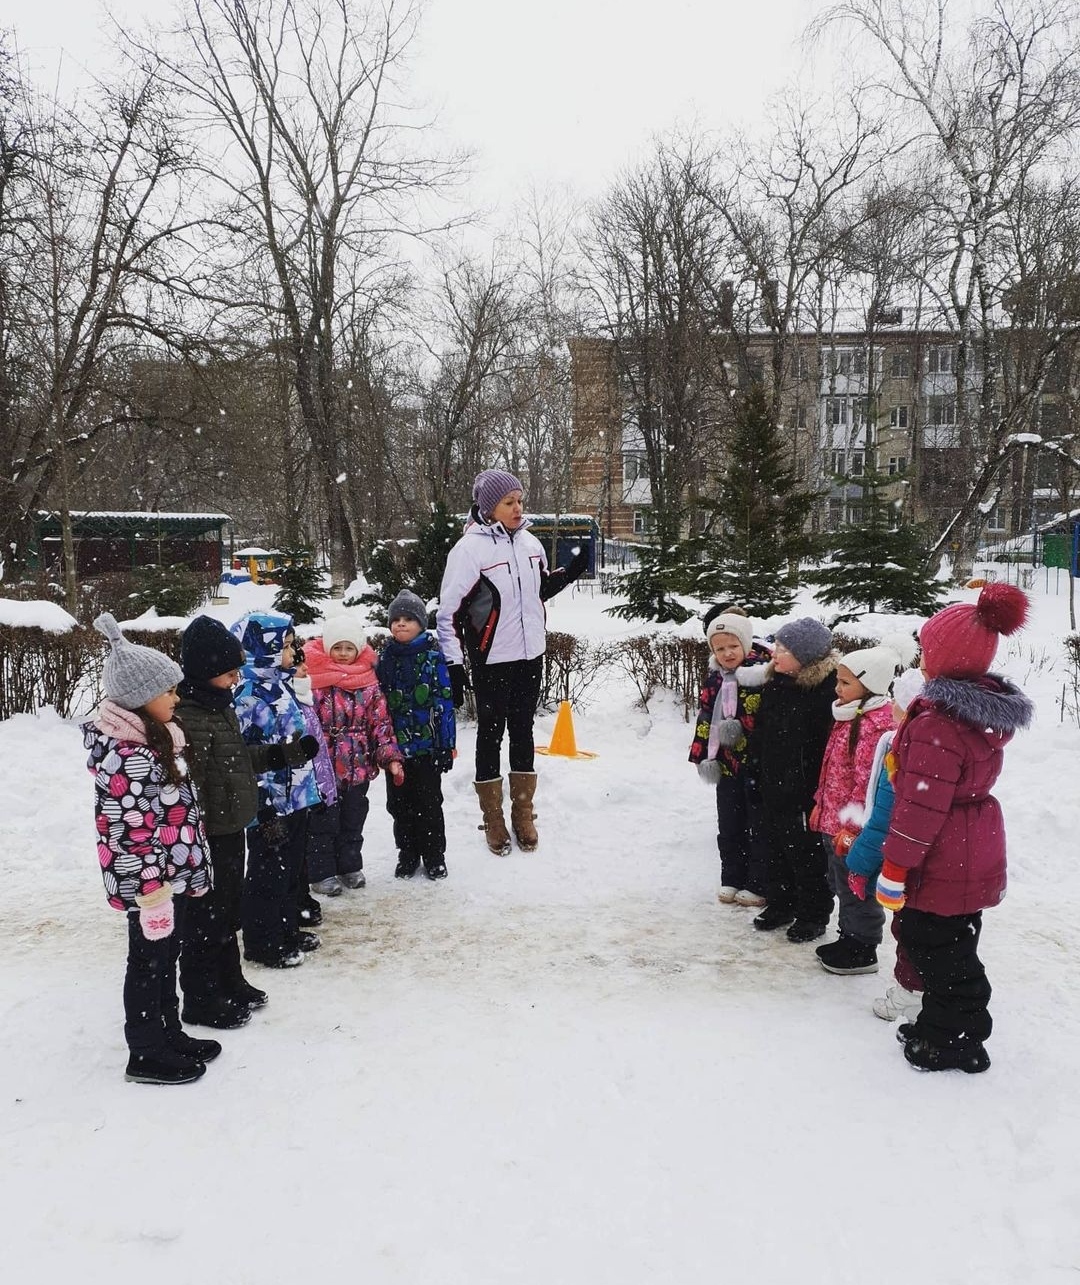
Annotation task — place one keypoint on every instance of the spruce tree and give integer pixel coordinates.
(878, 563)
(755, 534)
(300, 586)
(648, 590)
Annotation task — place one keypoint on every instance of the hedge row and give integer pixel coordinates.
(38, 668)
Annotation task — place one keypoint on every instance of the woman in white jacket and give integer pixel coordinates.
(491, 606)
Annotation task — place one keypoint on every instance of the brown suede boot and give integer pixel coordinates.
(490, 794)
(522, 817)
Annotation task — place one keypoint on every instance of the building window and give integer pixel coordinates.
(835, 411)
(643, 521)
(858, 362)
(840, 362)
(940, 360)
(942, 411)
(800, 417)
(995, 519)
(897, 465)
(898, 417)
(857, 463)
(900, 365)
(635, 467)
(838, 463)
(836, 514)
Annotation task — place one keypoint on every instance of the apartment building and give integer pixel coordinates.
(852, 402)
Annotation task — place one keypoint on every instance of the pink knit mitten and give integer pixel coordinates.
(156, 913)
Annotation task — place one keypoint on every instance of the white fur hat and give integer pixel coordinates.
(730, 624)
(344, 628)
(874, 667)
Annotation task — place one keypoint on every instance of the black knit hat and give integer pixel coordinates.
(207, 649)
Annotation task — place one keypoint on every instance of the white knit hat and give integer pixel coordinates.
(730, 624)
(344, 628)
(874, 667)
(907, 687)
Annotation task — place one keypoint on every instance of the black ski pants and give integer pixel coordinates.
(796, 878)
(417, 810)
(209, 953)
(270, 907)
(151, 1004)
(506, 700)
(956, 992)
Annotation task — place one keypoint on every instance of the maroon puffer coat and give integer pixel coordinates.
(946, 827)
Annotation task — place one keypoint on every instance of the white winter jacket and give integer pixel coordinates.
(490, 601)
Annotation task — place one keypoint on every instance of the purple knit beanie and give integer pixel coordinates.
(490, 487)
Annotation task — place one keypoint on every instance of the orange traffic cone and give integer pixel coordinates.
(563, 741)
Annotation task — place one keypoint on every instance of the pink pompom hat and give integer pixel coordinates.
(962, 640)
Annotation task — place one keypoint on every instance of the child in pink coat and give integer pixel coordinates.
(863, 711)
(360, 737)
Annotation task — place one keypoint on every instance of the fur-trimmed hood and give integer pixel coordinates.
(810, 675)
(990, 703)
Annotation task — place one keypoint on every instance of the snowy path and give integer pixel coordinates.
(568, 1067)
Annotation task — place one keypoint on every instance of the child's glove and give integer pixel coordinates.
(857, 884)
(291, 753)
(842, 842)
(729, 732)
(397, 772)
(272, 828)
(156, 913)
(457, 684)
(890, 886)
(709, 772)
(443, 760)
(812, 823)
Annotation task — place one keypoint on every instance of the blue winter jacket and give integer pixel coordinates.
(414, 679)
(269, 711)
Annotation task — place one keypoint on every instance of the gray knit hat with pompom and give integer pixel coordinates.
(132, 674)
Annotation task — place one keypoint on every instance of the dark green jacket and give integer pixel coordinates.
(222, 766)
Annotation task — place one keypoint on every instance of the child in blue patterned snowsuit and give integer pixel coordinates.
(414, 679)
(268, 711)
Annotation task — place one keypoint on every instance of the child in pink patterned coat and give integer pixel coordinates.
(151, 848)
(360, 737)
(863, 712)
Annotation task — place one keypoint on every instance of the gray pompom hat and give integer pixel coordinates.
(132, 674)
(407, 605)
(806, 638)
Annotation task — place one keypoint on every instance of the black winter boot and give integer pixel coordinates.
(437, 870)
(965, 1055)
(219, 1013)
(163, 1066)
(774, 916)
(806, 930)
(848, 956)
(198, 1050)
(248, 995)
(406, 866)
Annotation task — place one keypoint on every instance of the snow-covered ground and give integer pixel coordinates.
(571, 1066)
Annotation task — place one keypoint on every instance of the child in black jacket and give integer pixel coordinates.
(224, 767)
(792, 726)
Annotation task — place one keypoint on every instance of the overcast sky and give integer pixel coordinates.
(560, 91)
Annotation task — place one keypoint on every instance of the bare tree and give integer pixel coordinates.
(89, 209)
(296, 103)
(988, 109)
(654, 254)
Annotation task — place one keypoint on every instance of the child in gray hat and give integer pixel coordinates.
(414, 678)
(151, 848)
